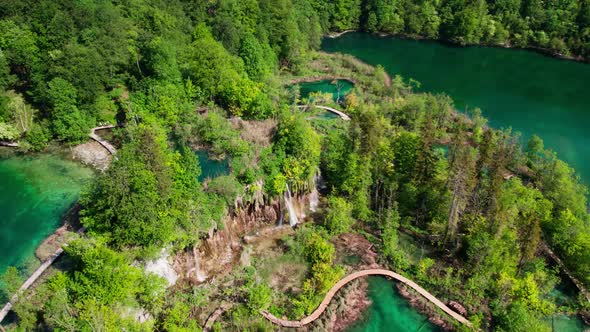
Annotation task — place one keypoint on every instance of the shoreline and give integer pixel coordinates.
(539, 50)
(416, 302)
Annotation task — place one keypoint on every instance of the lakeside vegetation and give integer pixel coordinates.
(557, 27)
(174, 73)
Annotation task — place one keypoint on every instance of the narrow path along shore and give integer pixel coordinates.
(545, 248)
(31, 280)
(342, 115)
(322, 307)
(101, 141)
(339, 34)
(213, 317)
(311, 79)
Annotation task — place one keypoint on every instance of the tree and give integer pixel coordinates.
(258, 61)
(69, 123)
(461, 183)
(132, 203)
(259, 297)
(8, 132)
(339, 217)
(10, 282)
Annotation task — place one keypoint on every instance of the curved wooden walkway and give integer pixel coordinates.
(342, 115)
(213, 317)
(101, 141)
(320, 309)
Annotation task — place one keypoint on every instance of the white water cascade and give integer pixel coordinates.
(289, 203)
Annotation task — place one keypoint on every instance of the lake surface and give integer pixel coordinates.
(531, 93)
(338, 88)
(35, 191)
(211, 168)
(390, 311)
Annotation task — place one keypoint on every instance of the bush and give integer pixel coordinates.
(339, 217)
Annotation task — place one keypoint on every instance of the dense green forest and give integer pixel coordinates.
(175, 74)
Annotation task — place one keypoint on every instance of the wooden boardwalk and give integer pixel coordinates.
(101, 141)
(342, 115)
(545, 248)
(213, 317)
(322, 307)
(31, 280)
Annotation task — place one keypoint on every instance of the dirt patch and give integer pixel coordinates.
(257, 132)
(93, 154)
(61, 236)
(355, 245)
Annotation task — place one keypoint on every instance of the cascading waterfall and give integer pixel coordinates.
(289, 203)
(314, 196)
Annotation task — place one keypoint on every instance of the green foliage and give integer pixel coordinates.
(296, 154)
(320, 254)
(164, 184)
(339, 217)
(221, 76)
(10, 282)
(259, 297)
(559, 26)
(68, 122)
(101, 274)
(227, 187)
(519, 318)
(8, 132)
(95, 294)
(38, 136)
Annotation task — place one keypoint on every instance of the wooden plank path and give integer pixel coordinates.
(101, 141)
(545, 248)
(342, 115)
(311, 79)
(31, 280)
(322, 307)
(218, 312)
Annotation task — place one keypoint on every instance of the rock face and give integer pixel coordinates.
(93, 154)
(223, 247)
(162, 268)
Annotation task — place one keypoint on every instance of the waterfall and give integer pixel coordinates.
(314, 196)
(289, 203)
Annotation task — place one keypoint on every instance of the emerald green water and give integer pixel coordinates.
(531, 93)
(339, 88)
(563, 323)
(211, 168)
(390, 312)
(34, 193)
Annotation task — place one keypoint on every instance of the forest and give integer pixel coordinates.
(178, 74)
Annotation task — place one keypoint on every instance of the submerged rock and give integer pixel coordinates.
(93, 154)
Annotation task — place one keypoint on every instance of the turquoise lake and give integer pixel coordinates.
(35, 192)
(530, 92)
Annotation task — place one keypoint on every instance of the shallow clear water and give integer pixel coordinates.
(563, 323)
(35, 191)
(211, 168)
(390, 312)
(531, 93)
(326, 86)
